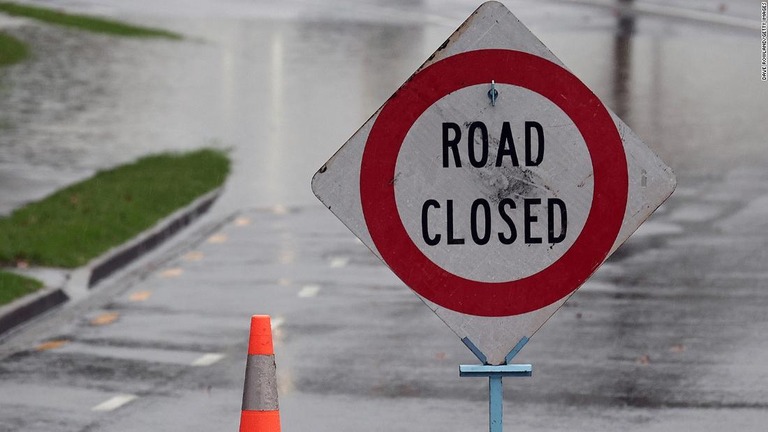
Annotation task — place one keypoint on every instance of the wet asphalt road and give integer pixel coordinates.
(669, 335)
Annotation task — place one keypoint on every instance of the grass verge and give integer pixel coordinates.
(81, 222)
(13, 286)
(83, 22)
(12, 50)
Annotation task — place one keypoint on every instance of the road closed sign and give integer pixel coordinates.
(493, 183)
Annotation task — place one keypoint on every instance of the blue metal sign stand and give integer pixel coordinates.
(495, 386)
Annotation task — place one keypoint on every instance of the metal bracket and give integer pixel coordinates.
(516, 349)
(475, 350)
(513, 370)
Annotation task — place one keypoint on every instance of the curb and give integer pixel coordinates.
(120, 256)
(30, 306)
(23, 309)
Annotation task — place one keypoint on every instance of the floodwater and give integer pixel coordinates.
(284, 85)
(669, 335)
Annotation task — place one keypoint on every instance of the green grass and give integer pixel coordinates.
(83, 22)
(13, 286)
(12, 50)
(81, 222)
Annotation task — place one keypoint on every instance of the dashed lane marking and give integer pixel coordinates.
(339, 262)
(105, 318)
(193, 256)
(218, 238)
(114, 403)
(242, 221)
(309, 291)
(140, 296)
(51, 345)
(172, 272)
(208, 359)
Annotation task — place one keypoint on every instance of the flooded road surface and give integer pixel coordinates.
(284, 85)
(669, 335)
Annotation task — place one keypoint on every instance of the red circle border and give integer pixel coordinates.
(377, 186)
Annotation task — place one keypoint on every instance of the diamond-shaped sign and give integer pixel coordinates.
(493, 183)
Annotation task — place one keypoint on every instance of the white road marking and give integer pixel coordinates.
(208, 359)
(309, 291)
(114, 403)
(339, 262)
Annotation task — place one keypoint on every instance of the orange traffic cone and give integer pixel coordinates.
(260, 411)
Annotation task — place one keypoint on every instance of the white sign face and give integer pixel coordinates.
(500, 176)
(493, 211)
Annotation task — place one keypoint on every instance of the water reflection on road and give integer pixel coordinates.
(284, 93)
(283, 86)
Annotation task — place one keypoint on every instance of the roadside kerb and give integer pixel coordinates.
(30, 306)
(122, 255)
(79, 281)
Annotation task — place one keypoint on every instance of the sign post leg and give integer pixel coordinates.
(495, 388)
(495, 403)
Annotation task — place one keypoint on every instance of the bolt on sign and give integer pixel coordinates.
(493, 183)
